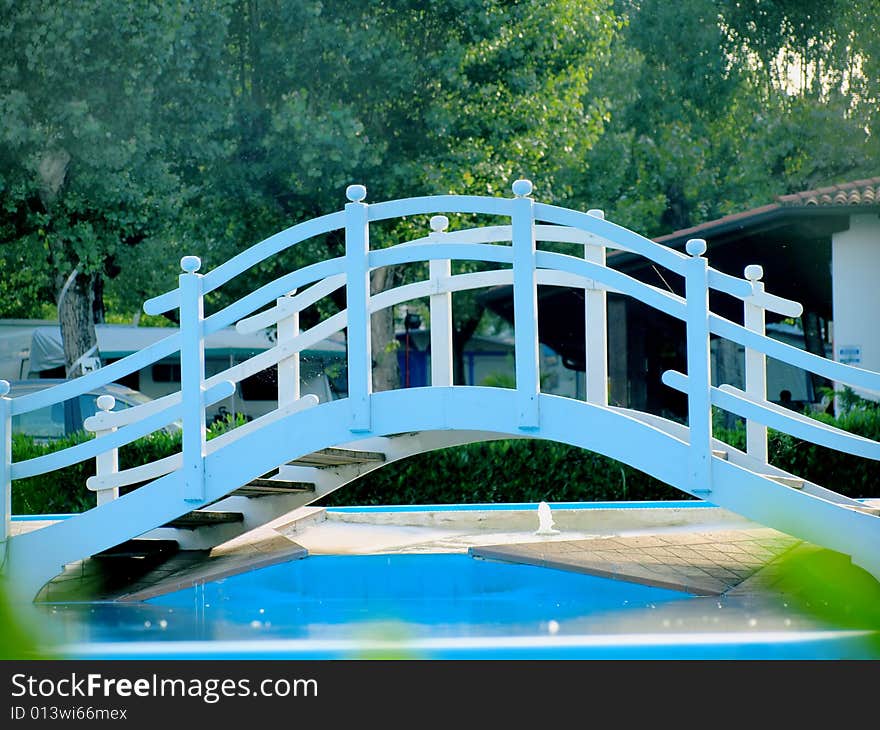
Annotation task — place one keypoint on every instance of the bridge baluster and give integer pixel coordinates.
(108, 462)
(5, 461)
(289, 367)
(596, 329)
(441, 311)
(525, 306)
(357, 302)
(698, 366)
(756, 364)
(192, 378)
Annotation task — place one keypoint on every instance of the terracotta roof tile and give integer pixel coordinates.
(858, 192)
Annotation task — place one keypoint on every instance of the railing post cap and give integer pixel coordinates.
(521, 188)
(106, 402)
(4, 388)
(356, 193)
(439, 223)
(596, 213)
(754, 272)
(695, 247)
(190, 264)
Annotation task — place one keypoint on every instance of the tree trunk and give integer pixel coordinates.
(386, 370)
(76, 316)
(814, 343)
(461, 335)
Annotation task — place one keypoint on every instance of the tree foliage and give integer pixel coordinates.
(132, 135)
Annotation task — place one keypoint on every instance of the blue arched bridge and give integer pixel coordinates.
(304, 449)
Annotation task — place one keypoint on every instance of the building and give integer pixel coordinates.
(33, 349)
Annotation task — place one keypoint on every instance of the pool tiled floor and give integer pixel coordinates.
(701, 563)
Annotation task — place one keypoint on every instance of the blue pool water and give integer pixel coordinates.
(431, 606)
(350, 597)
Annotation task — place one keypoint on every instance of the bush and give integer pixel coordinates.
(64, 491)
(852, 476)
(504, 471)
(531, 471)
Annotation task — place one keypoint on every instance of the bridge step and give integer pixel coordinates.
(864, 508)
(140, 550)
(338, 457)
(204, 518)
(792, 482)
(267, 487)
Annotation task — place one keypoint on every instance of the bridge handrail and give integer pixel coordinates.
(107, 374)
(665, 301)
(782, 419)
(398, 295)
(168, 464)
(837, 371)
(622, 237)
(324, 224)
(718, 280)
(504, 234)
(427, 204)
(291, 305)
(102, 444)
(415, 253)
(279, 287)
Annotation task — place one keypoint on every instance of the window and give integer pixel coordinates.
(166, 372)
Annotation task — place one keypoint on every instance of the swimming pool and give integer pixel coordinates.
(436, 606)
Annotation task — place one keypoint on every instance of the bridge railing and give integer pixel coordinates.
(524, 266)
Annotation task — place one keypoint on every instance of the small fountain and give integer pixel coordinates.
(545, 520)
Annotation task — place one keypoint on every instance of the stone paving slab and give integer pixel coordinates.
(701, 563)
(91, 580)
(220, 564)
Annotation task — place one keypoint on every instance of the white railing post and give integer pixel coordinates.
(525, 307)
(289, 367)
(192, 378)
(756, 365)
(698, 367)
(5, 462)
(108, 462)
(441, 310)
(595, 329)
(357, 302)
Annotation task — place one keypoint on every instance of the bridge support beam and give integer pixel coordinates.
(357, 302)
(192, 378)
(756, 364)
(596, 328)
(698, 367)
(441, 312)
(525, 307)
(289, 367)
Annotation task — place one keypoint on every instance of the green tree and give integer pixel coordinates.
(135, 135)
(717, 106)
(97, 127)
(407, 98)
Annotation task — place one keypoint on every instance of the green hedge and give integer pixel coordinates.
(65, 491)
(531, 471)
(851, 476)
(494, 471)
(503, 471)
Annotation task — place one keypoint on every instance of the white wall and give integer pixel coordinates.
(855, 267)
